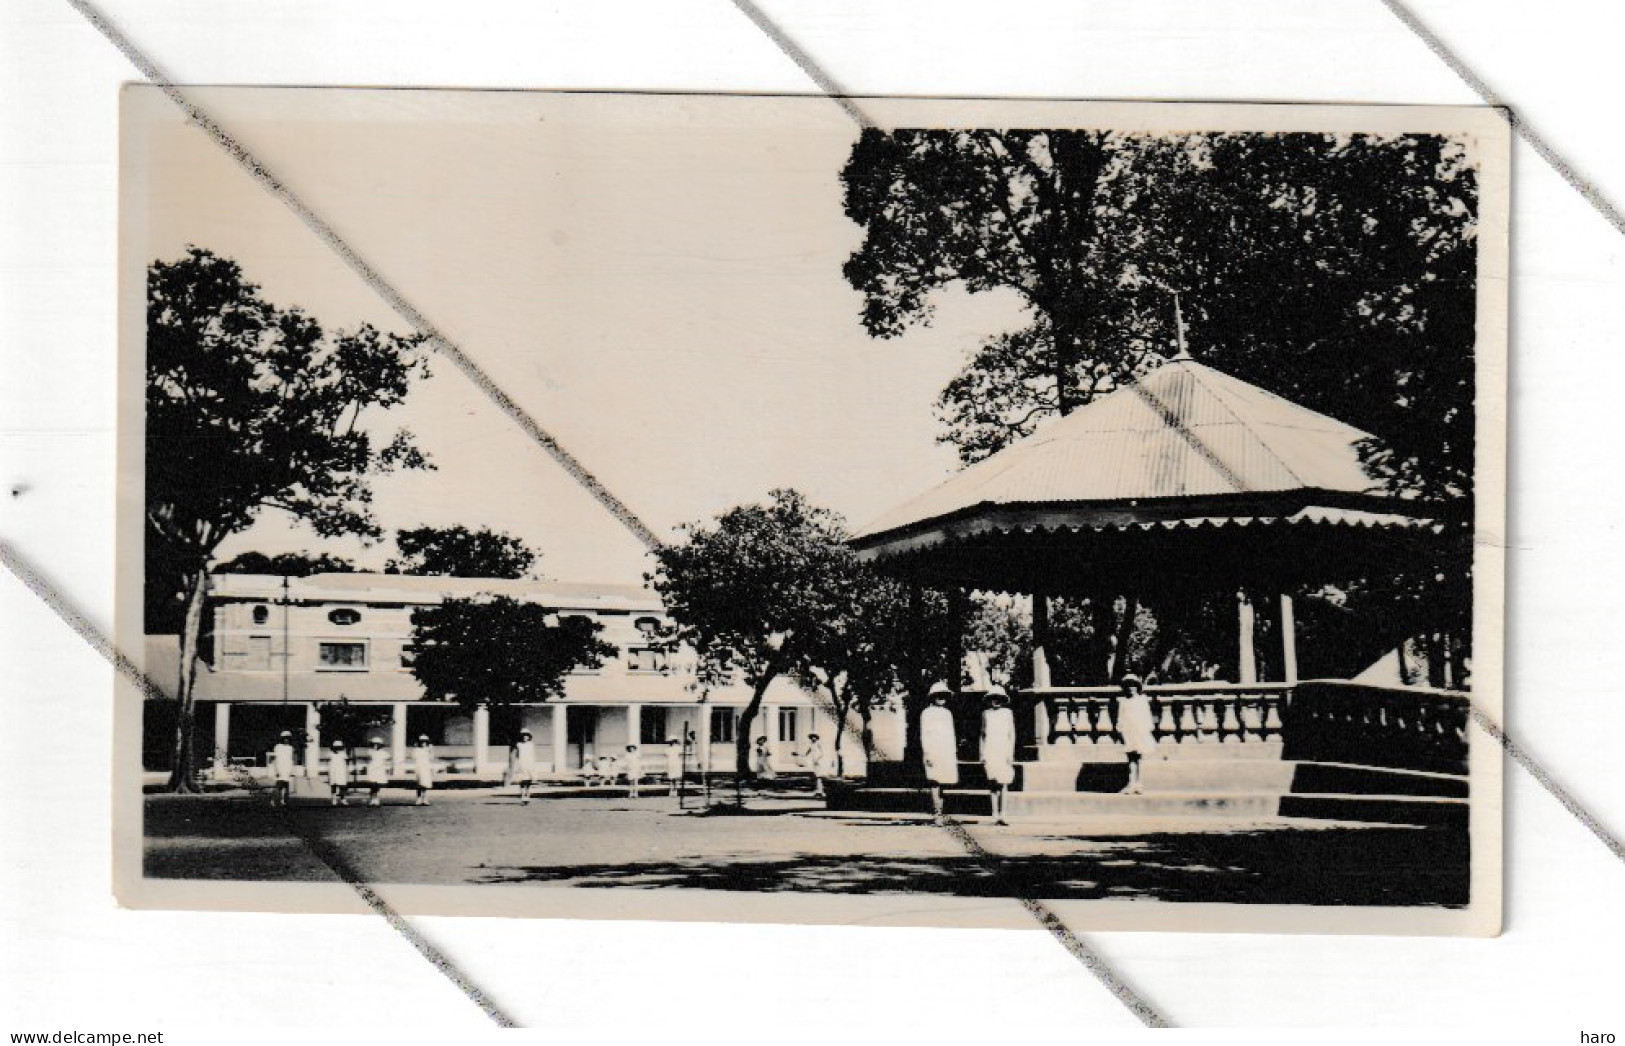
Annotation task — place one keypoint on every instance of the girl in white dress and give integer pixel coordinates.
(998, 748)
(813, 759)
(764, 760)
(938, 746)
(338, 773)
(1134, 722)
(522, 766)
(423, 768)
(634, 771)
(377, 770)
(282, 769)
(674, 765)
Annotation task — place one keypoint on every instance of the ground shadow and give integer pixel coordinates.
(1400, 867)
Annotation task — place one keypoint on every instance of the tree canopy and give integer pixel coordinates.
(496, 650)
(751, 592)
(1335, 270)
(460, 551)
(290, 564)
(251, 406)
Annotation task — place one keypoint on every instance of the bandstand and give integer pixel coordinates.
(1191, 483)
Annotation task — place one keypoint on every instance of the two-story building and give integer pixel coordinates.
(275, 648)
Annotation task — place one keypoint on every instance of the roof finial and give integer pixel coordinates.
(1179, 328)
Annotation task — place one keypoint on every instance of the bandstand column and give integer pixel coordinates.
(397, 740)
(558, 725)
(1247, 658)
(482, 737)
(313, 741)
(1289, 641)
(1041, 677)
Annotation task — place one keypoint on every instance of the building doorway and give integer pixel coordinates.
(581, 733)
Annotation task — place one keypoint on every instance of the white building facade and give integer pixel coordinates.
(275, 649)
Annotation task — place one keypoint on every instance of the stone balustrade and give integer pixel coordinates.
(1409, 728)
(1218, 713)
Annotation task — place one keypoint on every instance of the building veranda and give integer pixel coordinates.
(276, 649)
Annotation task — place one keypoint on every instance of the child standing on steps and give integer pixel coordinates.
(1134, 722)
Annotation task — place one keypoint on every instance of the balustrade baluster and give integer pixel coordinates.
(1185, 724)
(1272, 715)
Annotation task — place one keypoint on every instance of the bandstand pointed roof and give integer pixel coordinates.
(1185, 448)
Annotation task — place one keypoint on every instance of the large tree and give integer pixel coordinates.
(460, 551)
(252, 407)
(1335, 270)
(750, 593)
(492, 650)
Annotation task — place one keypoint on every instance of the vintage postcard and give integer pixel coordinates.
(760, 508)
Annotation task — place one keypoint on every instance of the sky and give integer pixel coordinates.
(655, 279)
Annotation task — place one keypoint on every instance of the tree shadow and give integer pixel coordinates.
(1398, 867)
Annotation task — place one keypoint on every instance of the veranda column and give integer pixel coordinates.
(1041, 678)
(558, 724)
(222, 738)
(634, 725)
(397, 740)
(1247, 659)
(702, 737)
(313, 741)
(1289, 641)
(482, 737)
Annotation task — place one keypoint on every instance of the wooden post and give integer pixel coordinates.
(313, 741)
(1247, 659)
(482, 738)
(1289, 641)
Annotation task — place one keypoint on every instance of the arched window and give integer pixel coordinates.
(262, 614)
(344, 616)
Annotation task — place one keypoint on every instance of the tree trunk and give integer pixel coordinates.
(866, 736)
(183, 771)
(840, 730)
(743, 742)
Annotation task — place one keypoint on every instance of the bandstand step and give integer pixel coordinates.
(1379, 809)
(1157, 775)
(1112, 752)
(1082, 805)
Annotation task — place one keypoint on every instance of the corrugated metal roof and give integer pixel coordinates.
(1183, 430)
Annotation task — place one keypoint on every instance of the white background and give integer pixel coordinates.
(69, 959)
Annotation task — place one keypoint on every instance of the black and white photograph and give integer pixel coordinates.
(779, 511)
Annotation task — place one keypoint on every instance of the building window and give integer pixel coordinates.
(262, 614)
(787, 725)
(257, 658)
(722, 726)
(345, 657)
(344, 616)
(647, 659)
(652, 727)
